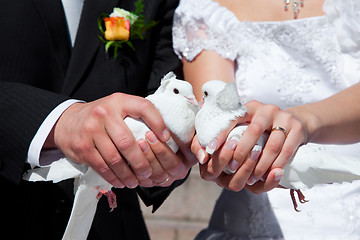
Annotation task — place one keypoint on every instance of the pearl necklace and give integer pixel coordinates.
(296, 4)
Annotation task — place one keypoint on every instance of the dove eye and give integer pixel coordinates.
(176, 91)
(206, 93)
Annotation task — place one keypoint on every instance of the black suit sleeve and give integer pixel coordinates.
(23, 108)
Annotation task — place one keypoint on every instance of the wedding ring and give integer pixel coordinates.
(164, 181)
(280, 129)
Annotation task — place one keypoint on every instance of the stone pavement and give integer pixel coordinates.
(185, 212)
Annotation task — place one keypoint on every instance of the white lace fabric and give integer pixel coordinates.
(295, 57)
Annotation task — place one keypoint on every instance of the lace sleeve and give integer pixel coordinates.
(203, 25)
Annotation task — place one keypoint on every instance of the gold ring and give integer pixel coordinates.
(280, 129)
(164, 181)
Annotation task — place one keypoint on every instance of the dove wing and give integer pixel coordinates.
(56, 172)
(228, 98)
(312, 166)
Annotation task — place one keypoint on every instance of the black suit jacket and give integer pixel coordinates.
(38, 70)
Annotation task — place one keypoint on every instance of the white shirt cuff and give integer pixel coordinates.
(35, 155)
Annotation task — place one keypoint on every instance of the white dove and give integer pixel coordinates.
(221, 105)
(312, 164)
(176, 103)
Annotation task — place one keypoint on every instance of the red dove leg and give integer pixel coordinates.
(111, 199)
(111, 196)
(294, 200)
(300, 196)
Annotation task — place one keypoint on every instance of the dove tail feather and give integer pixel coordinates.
(82, 213)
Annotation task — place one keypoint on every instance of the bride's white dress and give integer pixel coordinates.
(288, 63)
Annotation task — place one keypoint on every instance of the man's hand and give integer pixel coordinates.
(167, 166)
(94, 133)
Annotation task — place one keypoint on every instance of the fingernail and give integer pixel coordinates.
(201, 156)
(233, 166)
(119, 185)
(231, 145)
(255, 155)
(211, 147)
(147, 173)
(143, 145)
(279, 175)
(151, 137)
(165, 135)
(252, 181)
(133, 184)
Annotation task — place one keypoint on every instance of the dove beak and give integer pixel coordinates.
(201, 103)
(192, 100)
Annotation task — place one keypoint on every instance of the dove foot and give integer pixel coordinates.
(301, 198)
(111, 196)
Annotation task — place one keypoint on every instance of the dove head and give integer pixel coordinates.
(211, 89)
(221, 106)
(221, 94)
(178, 89)
(176, 102)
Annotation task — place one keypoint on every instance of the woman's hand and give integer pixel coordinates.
(286, 134)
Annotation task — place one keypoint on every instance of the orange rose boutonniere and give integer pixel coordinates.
(122, 26)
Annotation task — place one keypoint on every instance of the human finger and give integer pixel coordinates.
(96, 162)
(219, 140)
(226, 155)
(295, 138)
(260, 118)
(272, 181)
(158, 175)
(240, 178)
(167, 158)
(141, 108)
(199, 151)
(222, 160)
(249, 139)
(185, 153)
(113, 159)
(126, 144)
(270, 152)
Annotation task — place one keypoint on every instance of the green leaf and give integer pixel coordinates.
(139, 8)
(108, 45)
(100, 21)
(130, 45)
